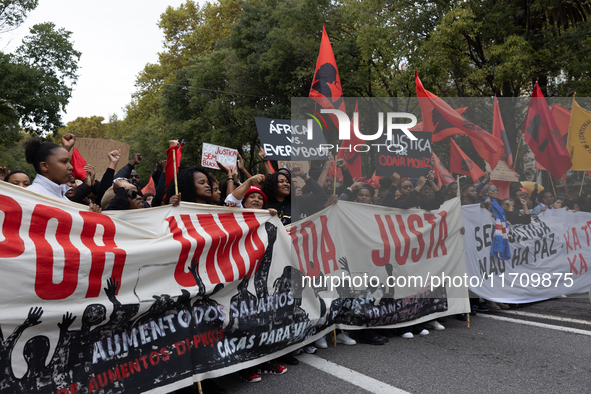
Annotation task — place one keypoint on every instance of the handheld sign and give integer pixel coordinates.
(287, 140)
(212, 153)
(410, 159)
(95, 150)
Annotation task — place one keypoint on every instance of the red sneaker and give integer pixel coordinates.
(271, 368)
(249, 375)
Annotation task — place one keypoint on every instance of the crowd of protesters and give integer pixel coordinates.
(279, 193)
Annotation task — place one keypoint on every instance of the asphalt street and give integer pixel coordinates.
(543, 347)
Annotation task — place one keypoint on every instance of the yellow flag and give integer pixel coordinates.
(579, 138)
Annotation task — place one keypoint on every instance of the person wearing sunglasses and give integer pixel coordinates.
(125, 196)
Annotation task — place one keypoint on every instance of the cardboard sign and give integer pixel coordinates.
(212, 153)
(285, 139)
(411, 159)
(502, 172)
(95, 151)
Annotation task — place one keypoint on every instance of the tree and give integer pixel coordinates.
(36, 82)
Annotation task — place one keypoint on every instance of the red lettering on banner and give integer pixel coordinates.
(328, 251)
(312, 268)
(97, 267)
(222, 246)
(294, 240)
(416, 253)
(255, 248)
(220, 249)
(399, 256)
(228, 221)
(378, 260)
(442, 235)
(429, 217)
(44, 286)
(567, 241)
(182, 277)
(188, 276)
(576, 241)
(13, 245)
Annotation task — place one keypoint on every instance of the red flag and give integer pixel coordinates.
(562, 117)
(460, 163)
(150, 187)
(374, 181)
(499, 132)
(441, 119)
(440, 171)
(420, 127)
(78, 163)
(327, 91)
(170, 165)
(542, 135)
(326, 87)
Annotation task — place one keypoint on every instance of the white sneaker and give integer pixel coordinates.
(434, 324)
(310, 349)
(407, 335)
(424, 333)
(345, 339)
(321, 343)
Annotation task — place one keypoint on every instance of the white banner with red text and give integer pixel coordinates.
(150, 300)
(548, 256)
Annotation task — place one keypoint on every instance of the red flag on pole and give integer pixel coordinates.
(460, 163)
(170, 162)
(441, 119)
(78, 164)
(542, 135)
(326, 87)
(327, 91)
(440, 171)
(499, 132)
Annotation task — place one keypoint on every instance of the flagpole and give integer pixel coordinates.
(582, 183)
(552, 182)
(334, 182)
(517, 153)
(176, 185)
(199, 388)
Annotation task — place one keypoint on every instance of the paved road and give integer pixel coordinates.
(541, 347)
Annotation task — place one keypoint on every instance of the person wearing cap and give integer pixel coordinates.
(249, 195)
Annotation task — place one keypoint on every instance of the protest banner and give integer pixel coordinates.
(412, 159)
(285, 139)
(212, 153)
(548, 257)
(140, 300)
(95, 150)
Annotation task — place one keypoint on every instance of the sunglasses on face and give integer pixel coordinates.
(493, 190)
(132, 194)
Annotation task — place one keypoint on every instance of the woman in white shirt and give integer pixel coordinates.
(53, 167)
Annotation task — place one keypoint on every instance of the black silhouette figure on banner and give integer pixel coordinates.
(8, 380)
(261, 277)
(244, 302)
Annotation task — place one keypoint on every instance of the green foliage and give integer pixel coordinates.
(14, 12)
(227, 62)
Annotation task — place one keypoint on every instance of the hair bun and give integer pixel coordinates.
(31, 147)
